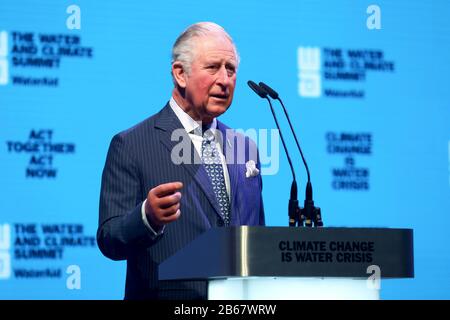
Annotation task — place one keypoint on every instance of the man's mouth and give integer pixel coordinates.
(220, 96)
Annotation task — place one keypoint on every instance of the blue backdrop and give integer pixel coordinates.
(366, 88)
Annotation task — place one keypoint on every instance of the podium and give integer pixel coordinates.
(260, 263)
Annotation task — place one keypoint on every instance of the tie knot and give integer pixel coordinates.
(204, 131)
(208, 135)
(206, 126)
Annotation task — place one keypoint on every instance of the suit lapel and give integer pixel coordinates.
(168, 123)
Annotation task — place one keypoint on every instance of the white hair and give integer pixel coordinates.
(183, 48)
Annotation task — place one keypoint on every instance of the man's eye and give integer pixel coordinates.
(231, 71)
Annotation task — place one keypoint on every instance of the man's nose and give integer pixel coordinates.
(223, 77)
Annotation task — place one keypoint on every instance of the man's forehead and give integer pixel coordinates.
(213, 40)
(215, 49)
(228, 55)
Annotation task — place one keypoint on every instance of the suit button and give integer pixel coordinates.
(220, 223)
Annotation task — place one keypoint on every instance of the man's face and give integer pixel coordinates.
(212, 78)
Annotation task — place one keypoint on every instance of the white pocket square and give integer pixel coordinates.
(251, 169)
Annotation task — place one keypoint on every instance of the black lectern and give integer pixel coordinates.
(294, 263)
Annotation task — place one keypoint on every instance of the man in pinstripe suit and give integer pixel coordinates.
(151, 203)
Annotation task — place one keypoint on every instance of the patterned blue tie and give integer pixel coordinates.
(213, 166)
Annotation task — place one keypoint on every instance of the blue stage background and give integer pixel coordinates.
(378, 144)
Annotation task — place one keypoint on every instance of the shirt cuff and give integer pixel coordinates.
(147, 224)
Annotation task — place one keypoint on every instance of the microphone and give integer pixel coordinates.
(293, 208)
(310, 214)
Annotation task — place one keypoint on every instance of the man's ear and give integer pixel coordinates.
(179, 74)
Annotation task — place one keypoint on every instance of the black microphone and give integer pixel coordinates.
(293, 208)
(310, 211)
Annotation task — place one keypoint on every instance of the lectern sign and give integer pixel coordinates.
(327, 251)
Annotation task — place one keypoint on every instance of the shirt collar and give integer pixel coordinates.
(189, 124)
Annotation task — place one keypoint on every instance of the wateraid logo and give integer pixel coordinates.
(308, 60)
(5, 255)
(4, 73)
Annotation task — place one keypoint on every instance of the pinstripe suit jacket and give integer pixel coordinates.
(139, 159)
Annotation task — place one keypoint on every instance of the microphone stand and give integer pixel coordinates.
(293, 208)
(309, 215)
